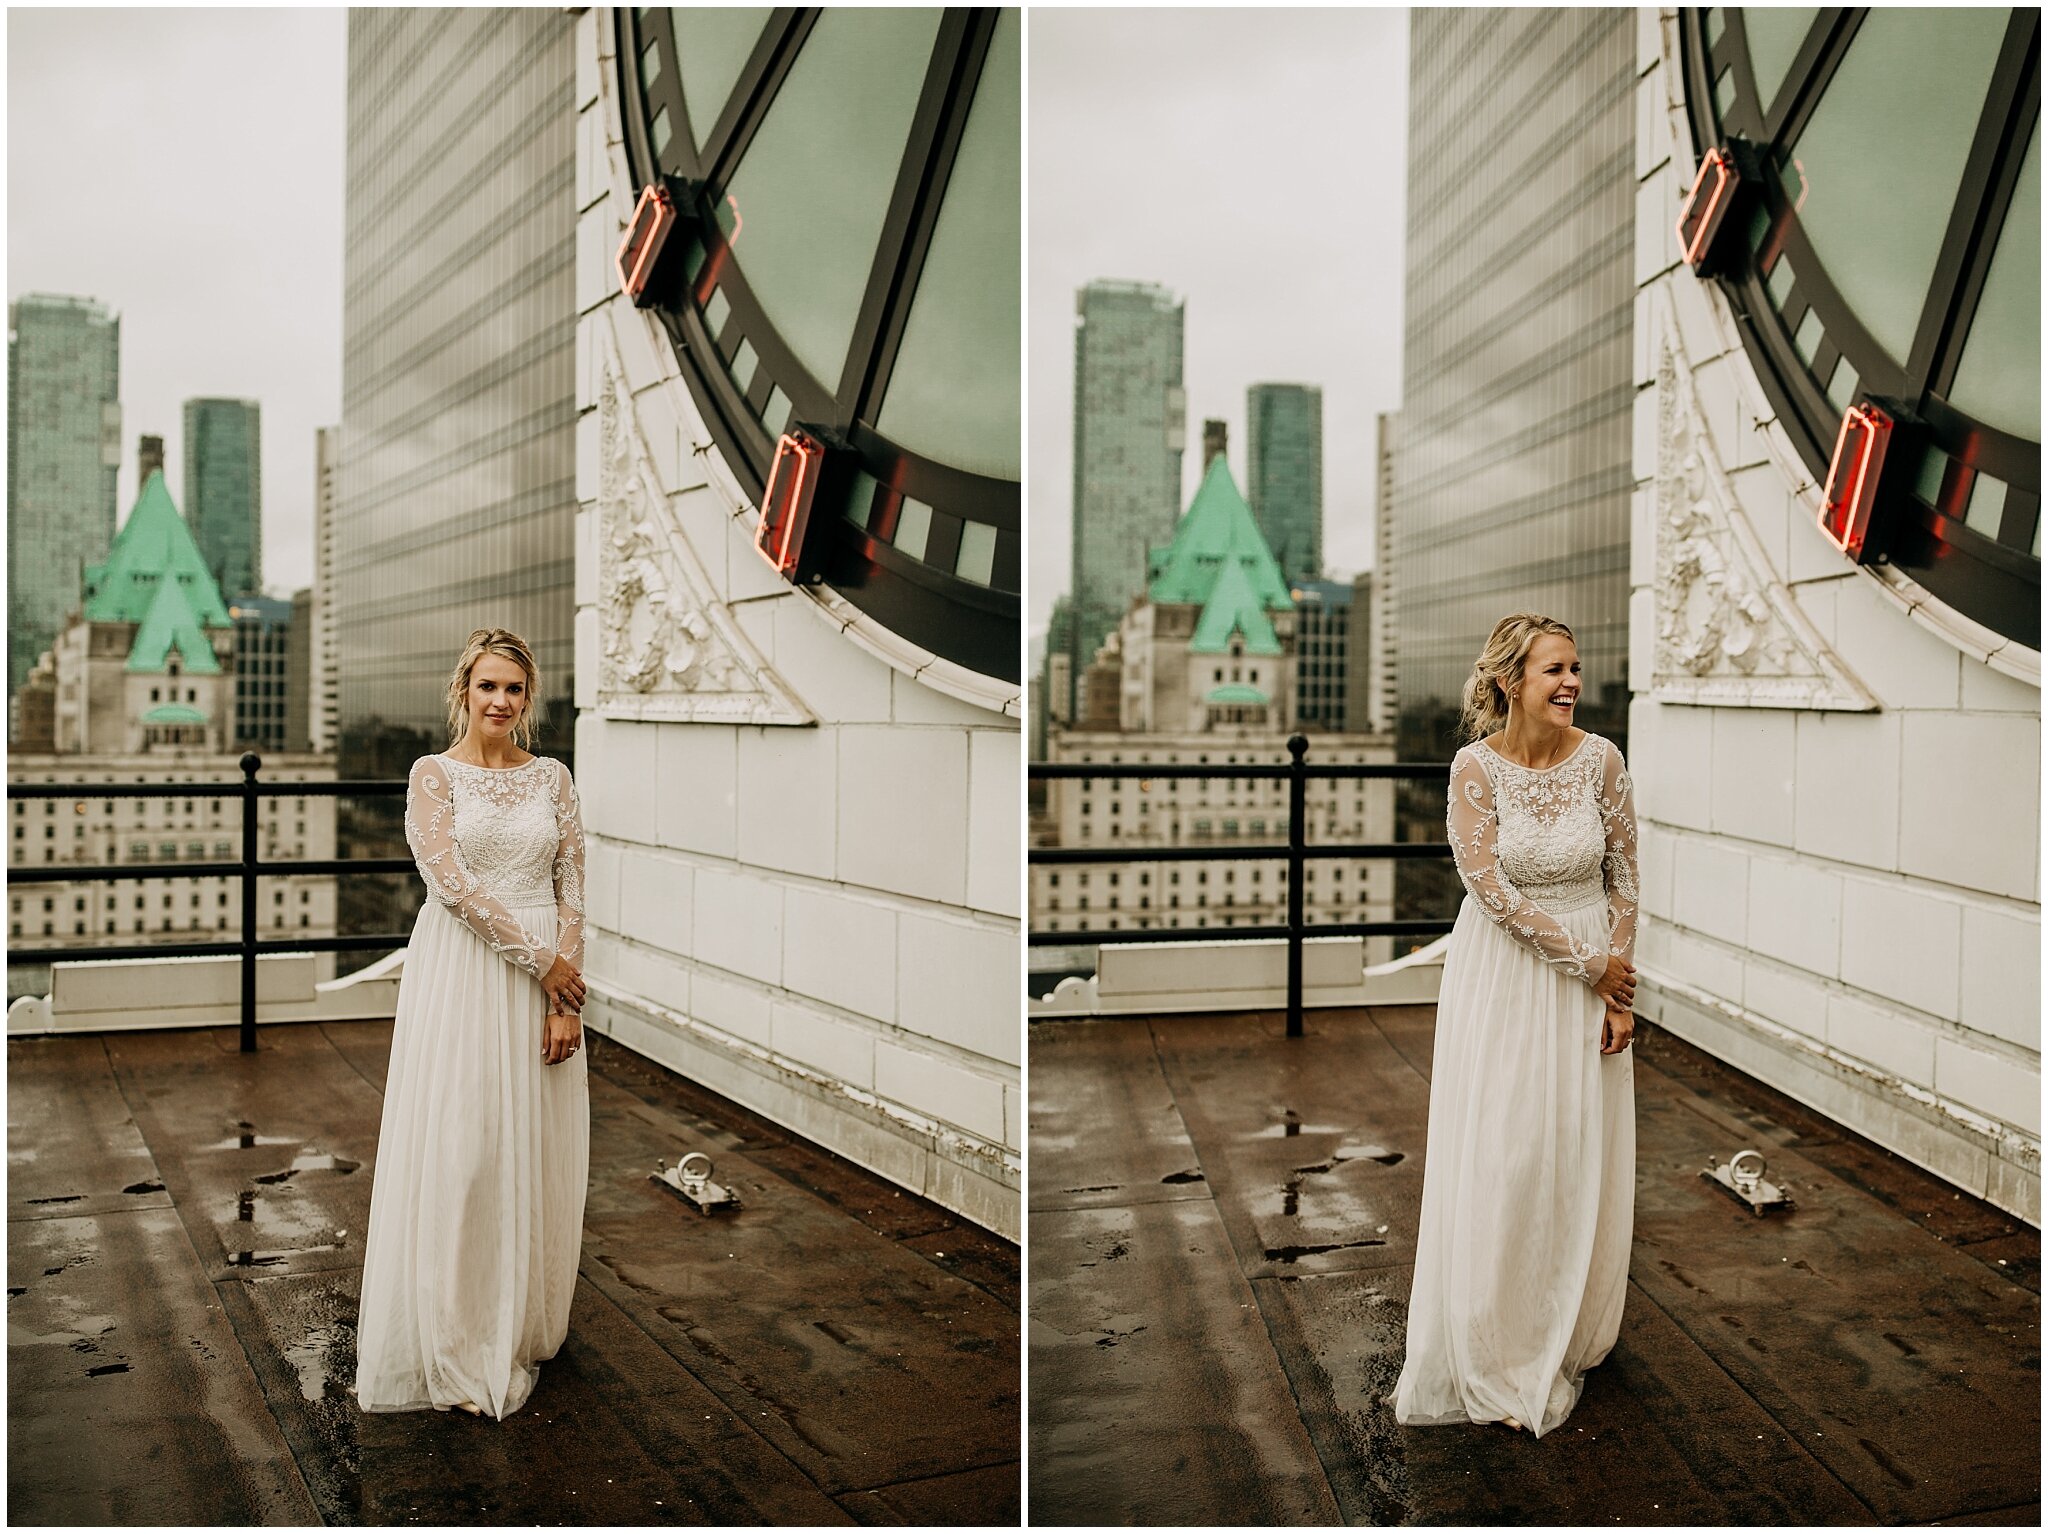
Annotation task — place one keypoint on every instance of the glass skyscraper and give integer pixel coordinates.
(224, 490)
(1512, 478)
(1130, 425)
(1284, 473)
(63, 450)
(456, 499)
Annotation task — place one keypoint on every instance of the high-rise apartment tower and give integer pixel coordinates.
(63, 452)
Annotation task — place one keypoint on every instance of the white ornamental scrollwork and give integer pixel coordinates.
(668, 648)
(1728, 630)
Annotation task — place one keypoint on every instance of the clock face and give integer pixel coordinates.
(849, 270)
(1891, 252)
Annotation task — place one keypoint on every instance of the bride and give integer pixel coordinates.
(476, 1213)
(1528, 1190)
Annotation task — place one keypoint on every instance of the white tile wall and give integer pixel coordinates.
(1700, 962)
(995, 820)
(1795, 914)
(819, 662)
(941, 1089)
(1642, 637)
(586, 59)
(1692, 301)
(905, 792)
(1752, 771)
(585, 628)
(738, 924)
(614, 763)
(960, 982)
(789, 798)
(838, 1048)
(731, 1005)
(595, 278)
(1643, 435)
(1681, 793)
(911, 702)
(1991, 1083)
(708, 526)
(1888, 1040)
(1993, 691)
(1767, 507)
(655, 973)
(1810, 555)
(586, 555)
(1901, 662)
(1657, 201)
(1647, 328)
(1971, 787)
(1710, 888)
(840, 949)
(696, 789)
(1642, 540)
(1847, 801)
(655, 899)
(1788, 997)
(2001, 974)
(601, 861)
(587, 439)
(662, 439)
(1657, 859)
(1903, 943)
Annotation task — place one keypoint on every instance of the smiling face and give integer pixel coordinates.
(497, 696)
(1550, 681)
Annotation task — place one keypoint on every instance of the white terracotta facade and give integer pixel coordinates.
(804, 833)
(1838, 778)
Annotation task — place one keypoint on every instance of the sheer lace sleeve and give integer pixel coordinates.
(430, 832)
(1473, 825)
(568, 867)
(1618, 868)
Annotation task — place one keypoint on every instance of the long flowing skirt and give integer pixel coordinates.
(1528, 1194)
(476, 1211)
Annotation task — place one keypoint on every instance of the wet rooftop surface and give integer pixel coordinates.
(184, 1250)
(1222, 1226)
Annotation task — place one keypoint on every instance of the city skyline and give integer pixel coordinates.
(212, 220)
(1318, 301)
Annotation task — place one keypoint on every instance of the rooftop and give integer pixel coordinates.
(1222, 1231)
(184, 1251)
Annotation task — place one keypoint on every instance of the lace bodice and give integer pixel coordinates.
(488, 838)
(1532, 843)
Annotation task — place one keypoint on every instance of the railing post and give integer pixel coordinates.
(250, 762)
(1297, 841)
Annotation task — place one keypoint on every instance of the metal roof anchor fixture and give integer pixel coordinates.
(1742, 1177)
(690, 1180)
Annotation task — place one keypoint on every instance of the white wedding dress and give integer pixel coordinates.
(476, 1211)
(1528, 1194)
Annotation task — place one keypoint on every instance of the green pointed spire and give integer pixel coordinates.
(1234, 608)
(1217, 531)
(153, 551)
(170, 624)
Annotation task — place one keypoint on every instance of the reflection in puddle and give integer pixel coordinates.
(312, 1359)
(311, 1161)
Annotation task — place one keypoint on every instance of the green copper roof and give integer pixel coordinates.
(170, 624)
(174, 713)
(153, 550)
(1217, 531)
(1234, 608)
(1239, 692)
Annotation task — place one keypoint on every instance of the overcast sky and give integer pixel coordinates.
(185, 167)
(1253, 162)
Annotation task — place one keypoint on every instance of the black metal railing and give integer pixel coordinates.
(249, 869)
(1296, 850)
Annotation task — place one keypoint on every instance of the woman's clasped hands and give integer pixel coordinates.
(1616, 988)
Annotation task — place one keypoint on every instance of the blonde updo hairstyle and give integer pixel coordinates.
(508, 646)
(1497, 674)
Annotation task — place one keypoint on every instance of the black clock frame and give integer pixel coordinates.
(920, 599)
(1996, 581)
